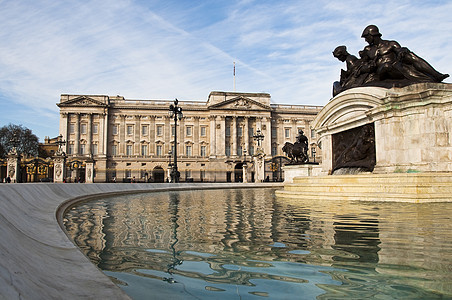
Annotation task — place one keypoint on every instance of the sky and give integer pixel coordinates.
(149, 49)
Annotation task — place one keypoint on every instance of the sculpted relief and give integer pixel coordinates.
(382, 63)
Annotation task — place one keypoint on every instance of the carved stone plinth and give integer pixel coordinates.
(89, 175)
(259, 167)
(59, 168)
(13, 164)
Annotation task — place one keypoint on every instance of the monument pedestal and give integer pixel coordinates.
(304, 170)
(406, 130)
(59, 168)
(13, 166)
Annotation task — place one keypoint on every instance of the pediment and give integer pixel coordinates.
(240, 103)
(82, 101)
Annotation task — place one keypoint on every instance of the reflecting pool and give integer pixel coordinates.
(249, 244)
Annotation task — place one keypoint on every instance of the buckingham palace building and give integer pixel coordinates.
(133, 140)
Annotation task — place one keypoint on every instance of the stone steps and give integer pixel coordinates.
(402, 187)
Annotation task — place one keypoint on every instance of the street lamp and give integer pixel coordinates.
(175, 112)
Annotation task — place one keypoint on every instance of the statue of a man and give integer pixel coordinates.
(395, 62)
(356, 74)
(382, 63)
(302, 140)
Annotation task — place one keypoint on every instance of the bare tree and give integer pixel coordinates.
(27, 142)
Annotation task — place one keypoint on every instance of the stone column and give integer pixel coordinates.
(104, 140)
(77, 134)
(89, 169)
(13, 166)
(196, 147)
(246, 135)
(220, 135)
(122, 135)
(64, 127)
(212, 137)
(167, 135)
(245, 175)
(234, 137)
(137, 133)
(152, 136)
(267, 142)
(59, 168)
(89, 138)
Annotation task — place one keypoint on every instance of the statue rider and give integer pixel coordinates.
(303, 141)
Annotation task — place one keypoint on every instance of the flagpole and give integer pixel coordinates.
(234, 76)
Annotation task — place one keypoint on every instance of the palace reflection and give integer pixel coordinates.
(214, 229)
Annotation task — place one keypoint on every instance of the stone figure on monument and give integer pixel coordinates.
(298, 151)
(383, 63)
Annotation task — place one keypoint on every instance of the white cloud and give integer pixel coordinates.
(156, 49)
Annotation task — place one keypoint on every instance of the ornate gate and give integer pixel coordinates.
(273, 168)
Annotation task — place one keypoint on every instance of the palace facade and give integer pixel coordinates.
(129, 140)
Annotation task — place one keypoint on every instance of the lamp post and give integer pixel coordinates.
(175, 112)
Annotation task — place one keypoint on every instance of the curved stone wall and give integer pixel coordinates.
(37, 259)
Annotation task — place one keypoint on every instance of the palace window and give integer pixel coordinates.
(159, 150)
(129, 150)
(239, 150)
(94, 149)
(274, 151)
(203, 151)
(83, 128)
(95, 128)
(173, 130)
(227, 150)
(287, 133)
(159, 130)
(239, 131)
(70, 149)
(128, 174)
(129, 129)
(71, 127)
(144, 130)
(188, 150)
(144, 150)
(203, 131)
(82, 149)
(228, 131)
(188, 130)
(274, 132)
(114, 129)
(250, 131)
(114, 149)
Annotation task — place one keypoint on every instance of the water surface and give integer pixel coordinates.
(249, 244)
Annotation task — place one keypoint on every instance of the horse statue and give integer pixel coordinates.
(297, 152)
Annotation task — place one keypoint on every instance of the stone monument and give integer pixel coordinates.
(389, 122)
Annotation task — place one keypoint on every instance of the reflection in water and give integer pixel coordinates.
(248, 244)
(173, 210)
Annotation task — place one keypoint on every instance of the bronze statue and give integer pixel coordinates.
(298, 151)
(383, 63)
